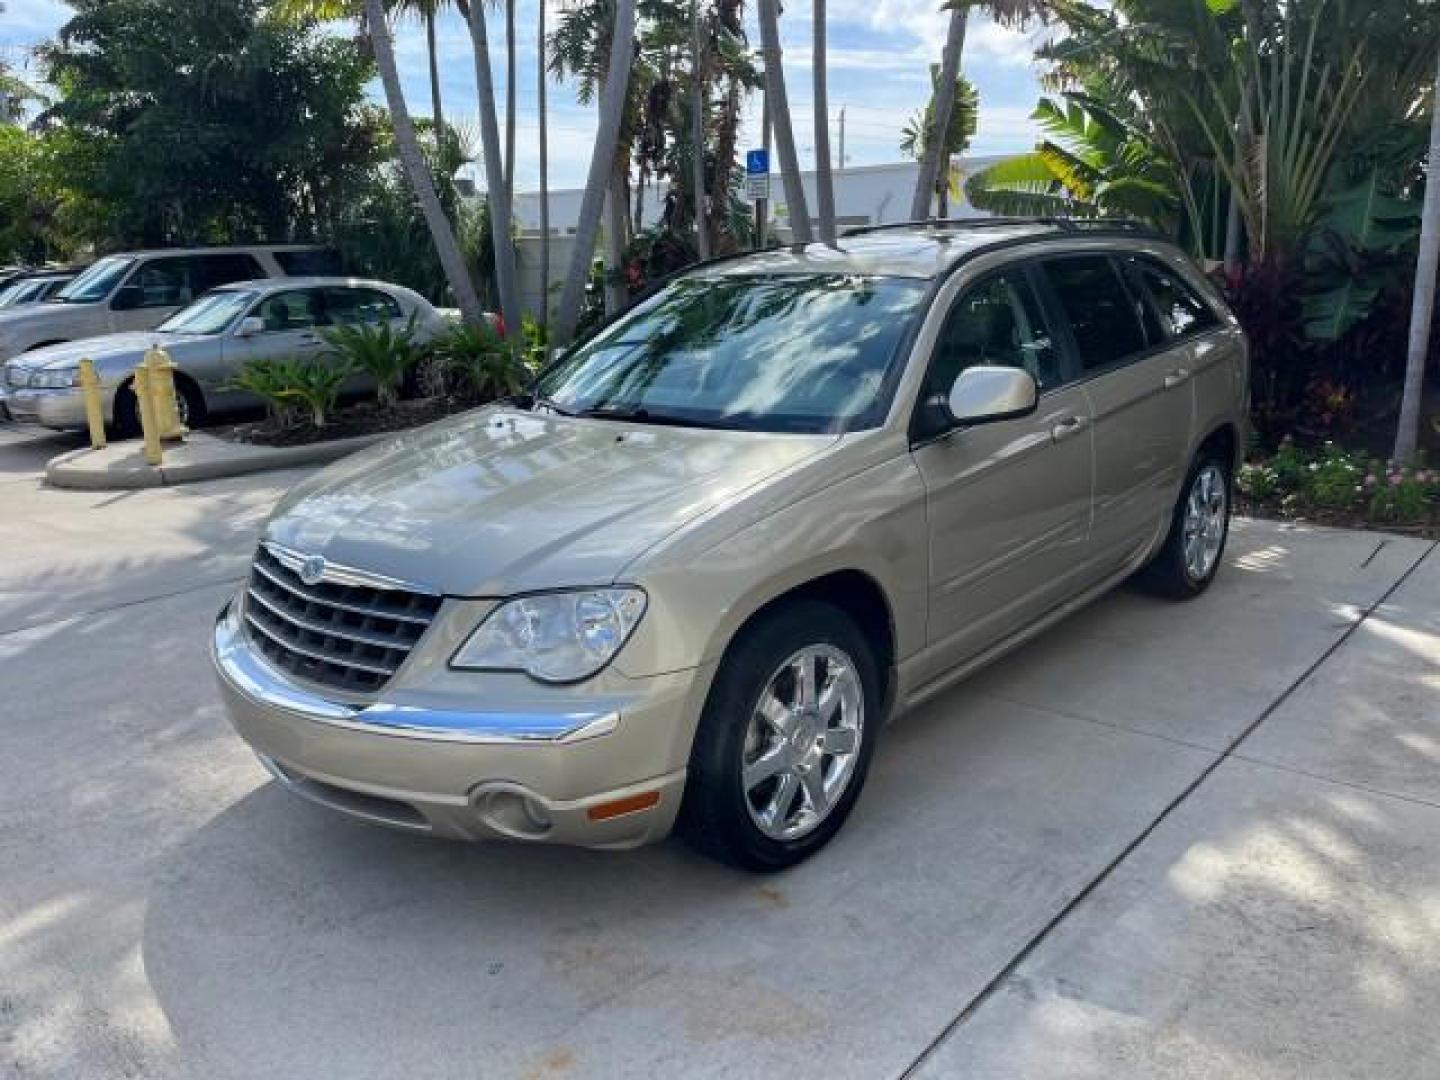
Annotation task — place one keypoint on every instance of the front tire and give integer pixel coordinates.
(1199, 529)
(785, 741)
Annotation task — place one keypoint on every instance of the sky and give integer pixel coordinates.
(879, 57)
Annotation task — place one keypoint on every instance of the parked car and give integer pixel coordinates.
(33, 288)
(687, 579)
(209, 341)
(138, 290)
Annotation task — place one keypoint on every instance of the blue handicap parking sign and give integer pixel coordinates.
(757, 162)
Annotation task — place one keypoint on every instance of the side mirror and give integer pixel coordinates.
(128, 298)
(983, 395)
(250, 326)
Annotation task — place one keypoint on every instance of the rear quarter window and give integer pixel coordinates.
(320, 262)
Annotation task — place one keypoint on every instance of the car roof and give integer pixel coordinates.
(216, 249)
(280, 284)
(922, 250)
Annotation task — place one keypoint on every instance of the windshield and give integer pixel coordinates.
(791, 353)
(96, 282)
(211, 314)
(11, 295)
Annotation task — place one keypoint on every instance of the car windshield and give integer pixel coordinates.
(97, 282)
(794, 353)
(11, 295)
(211, 314)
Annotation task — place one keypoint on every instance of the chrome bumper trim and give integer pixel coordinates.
(250, 676)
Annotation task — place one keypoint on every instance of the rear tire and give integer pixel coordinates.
(1199, 529)
(780, 757)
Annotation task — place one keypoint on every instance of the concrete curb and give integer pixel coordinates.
(122, 467)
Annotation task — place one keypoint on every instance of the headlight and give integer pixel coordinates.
(554, 637)
(55, 378)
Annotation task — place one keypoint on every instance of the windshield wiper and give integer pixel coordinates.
(540, 401)
(642, 415)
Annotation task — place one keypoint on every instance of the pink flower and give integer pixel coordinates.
(1370, 480)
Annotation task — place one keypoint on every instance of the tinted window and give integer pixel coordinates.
(298, 310)
(96, 282)
(347, 306)
(1178, 305)
(222, 269)
(1101, 312)
(313, 263)
(997, 323)
(801, 353)
(165, 283)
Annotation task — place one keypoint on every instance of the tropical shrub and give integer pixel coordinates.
(1332, 481)
(381, 350)
(475, 362)
(291, 386)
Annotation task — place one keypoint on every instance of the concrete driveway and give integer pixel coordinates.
(1164, 840)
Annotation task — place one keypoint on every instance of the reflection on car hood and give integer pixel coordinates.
(128, 348)
(503, 501)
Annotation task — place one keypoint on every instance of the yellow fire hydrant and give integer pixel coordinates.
(94, 412)
(159, 411)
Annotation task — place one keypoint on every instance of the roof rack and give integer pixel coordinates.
(1061, 224)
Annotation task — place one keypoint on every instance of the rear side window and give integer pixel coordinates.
(1102, 315)
(349, 306)
(212, 271)
(1179, 307)
(318, 262)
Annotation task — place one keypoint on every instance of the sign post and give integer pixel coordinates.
(757, 188)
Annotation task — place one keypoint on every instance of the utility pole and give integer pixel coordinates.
(840, 166)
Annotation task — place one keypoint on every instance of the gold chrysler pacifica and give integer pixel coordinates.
(683, 580)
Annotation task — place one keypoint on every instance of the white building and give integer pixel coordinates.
(864, 195)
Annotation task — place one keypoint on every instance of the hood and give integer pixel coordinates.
(503, 501)
(128, 348)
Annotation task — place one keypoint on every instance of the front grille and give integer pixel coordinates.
(349, 636)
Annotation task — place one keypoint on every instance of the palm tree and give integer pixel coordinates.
(964, 117)
(697, 132)
(780, 121)
(510, 77)
(544, 313)
(417, 170)
(942, 105)
(1422, 314)
(824, 182)
(497, 192)
(598, 183)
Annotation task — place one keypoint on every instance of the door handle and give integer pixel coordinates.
(1071, 425)
(1178, 377)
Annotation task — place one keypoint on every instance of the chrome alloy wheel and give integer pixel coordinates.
(802, 742)
(1206, 518)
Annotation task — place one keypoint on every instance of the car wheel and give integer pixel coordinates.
(785, 740)
(126, 422)
(189, 401)
(1199, 528)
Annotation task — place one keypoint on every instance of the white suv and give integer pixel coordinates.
(138, 290)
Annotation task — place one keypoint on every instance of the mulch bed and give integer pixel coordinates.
(365, 418)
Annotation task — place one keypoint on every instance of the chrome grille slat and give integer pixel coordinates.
(382, 641)
(351, 636)
(296, 587)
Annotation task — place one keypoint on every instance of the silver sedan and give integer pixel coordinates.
(210, 341)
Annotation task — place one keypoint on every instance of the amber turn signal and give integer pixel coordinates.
(628, 805)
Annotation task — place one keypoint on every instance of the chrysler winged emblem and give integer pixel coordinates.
(312, 569)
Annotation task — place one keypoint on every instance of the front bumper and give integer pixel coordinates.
(62, 408)
(552, 775)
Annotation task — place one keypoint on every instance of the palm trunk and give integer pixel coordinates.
(824, 182)
(417, 171)
(544, 174)
(497, 193)
(617, 229)
(780, 114)
(697, 132)
(612, 113)
(510, 77)
(437, 109)
(1407, 436)
(944, 105)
